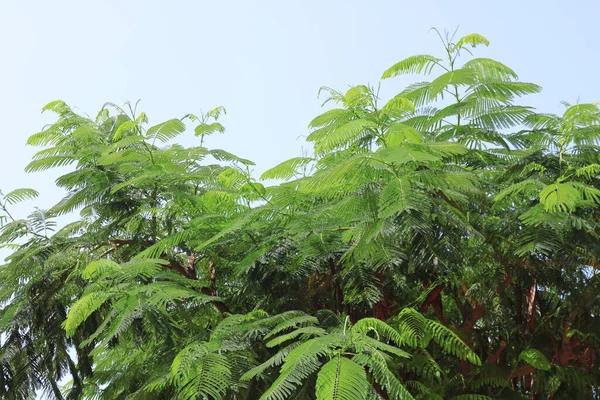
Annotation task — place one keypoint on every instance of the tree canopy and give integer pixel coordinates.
(440, 244)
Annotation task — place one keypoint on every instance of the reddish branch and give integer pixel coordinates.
(191, 266)
(570, 349)
(519, 304)
(495, 356)
(531, 300)
(451, 202)
(121, 242)
(213, 278)
(182, 270)
(522, 371)
(478, 310)
(380, 391)
(381, 309)
(474, 314)
(434, 299)
(334, 269)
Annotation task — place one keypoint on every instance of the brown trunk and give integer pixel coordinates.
(523, 371)
(448, 200)
(340, 299)
(477, 311)
(381, 309)
(191, 267)
(495, 356)
(519, 304)
(529, 385)
(213, 278)
(338, 293)
(531, 300)
(175, 266)
(190, 273)
(570, 344)
(434, 299)
(219, 305)
(380, 391)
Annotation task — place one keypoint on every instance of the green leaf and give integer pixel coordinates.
(535, 358)
(208, 129)
(286, 169)
(302, 362)
(358, 96)
(49, 162)
(398, 104)
(345, 135)
(488, 69)
(199, 371)
(125, 127)
(274, 361)
(216, 112)
(365, 325)
(559, 197)
(99, 268)
(399, 133)
(473, 39)
(395, 197)
(166, 130)
(380, 373)
(57, 106)
(342, 379)
(402, 155)
(458, 77)
(451, 343)
(418, 64)
(83, 308)
(331, 117)
(305, 332)
(223, 155)
(528, 187)
(19, 195)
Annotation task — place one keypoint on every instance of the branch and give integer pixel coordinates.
(434, 299)
(493, 357)
(522, 371)
(530, 301)
(451, 202)
(191, 274)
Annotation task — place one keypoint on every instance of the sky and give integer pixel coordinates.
(263, 60)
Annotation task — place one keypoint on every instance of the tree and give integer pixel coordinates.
(440, 245)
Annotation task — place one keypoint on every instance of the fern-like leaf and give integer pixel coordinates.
(412, 65)
(535, 358)
(19, 195)
(165, 131)
(342, 379)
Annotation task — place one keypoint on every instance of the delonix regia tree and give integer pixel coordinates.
(442, 244)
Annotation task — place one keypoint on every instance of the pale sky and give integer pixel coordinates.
(263, 60)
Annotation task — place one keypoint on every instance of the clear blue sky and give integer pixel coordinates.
(263, 60)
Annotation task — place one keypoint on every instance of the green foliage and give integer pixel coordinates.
(342, 379)
(535, 358)
(426, 245)
(421, 64)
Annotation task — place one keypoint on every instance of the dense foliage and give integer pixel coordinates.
(443, 244)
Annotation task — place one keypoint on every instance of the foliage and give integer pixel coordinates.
(440, 244)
